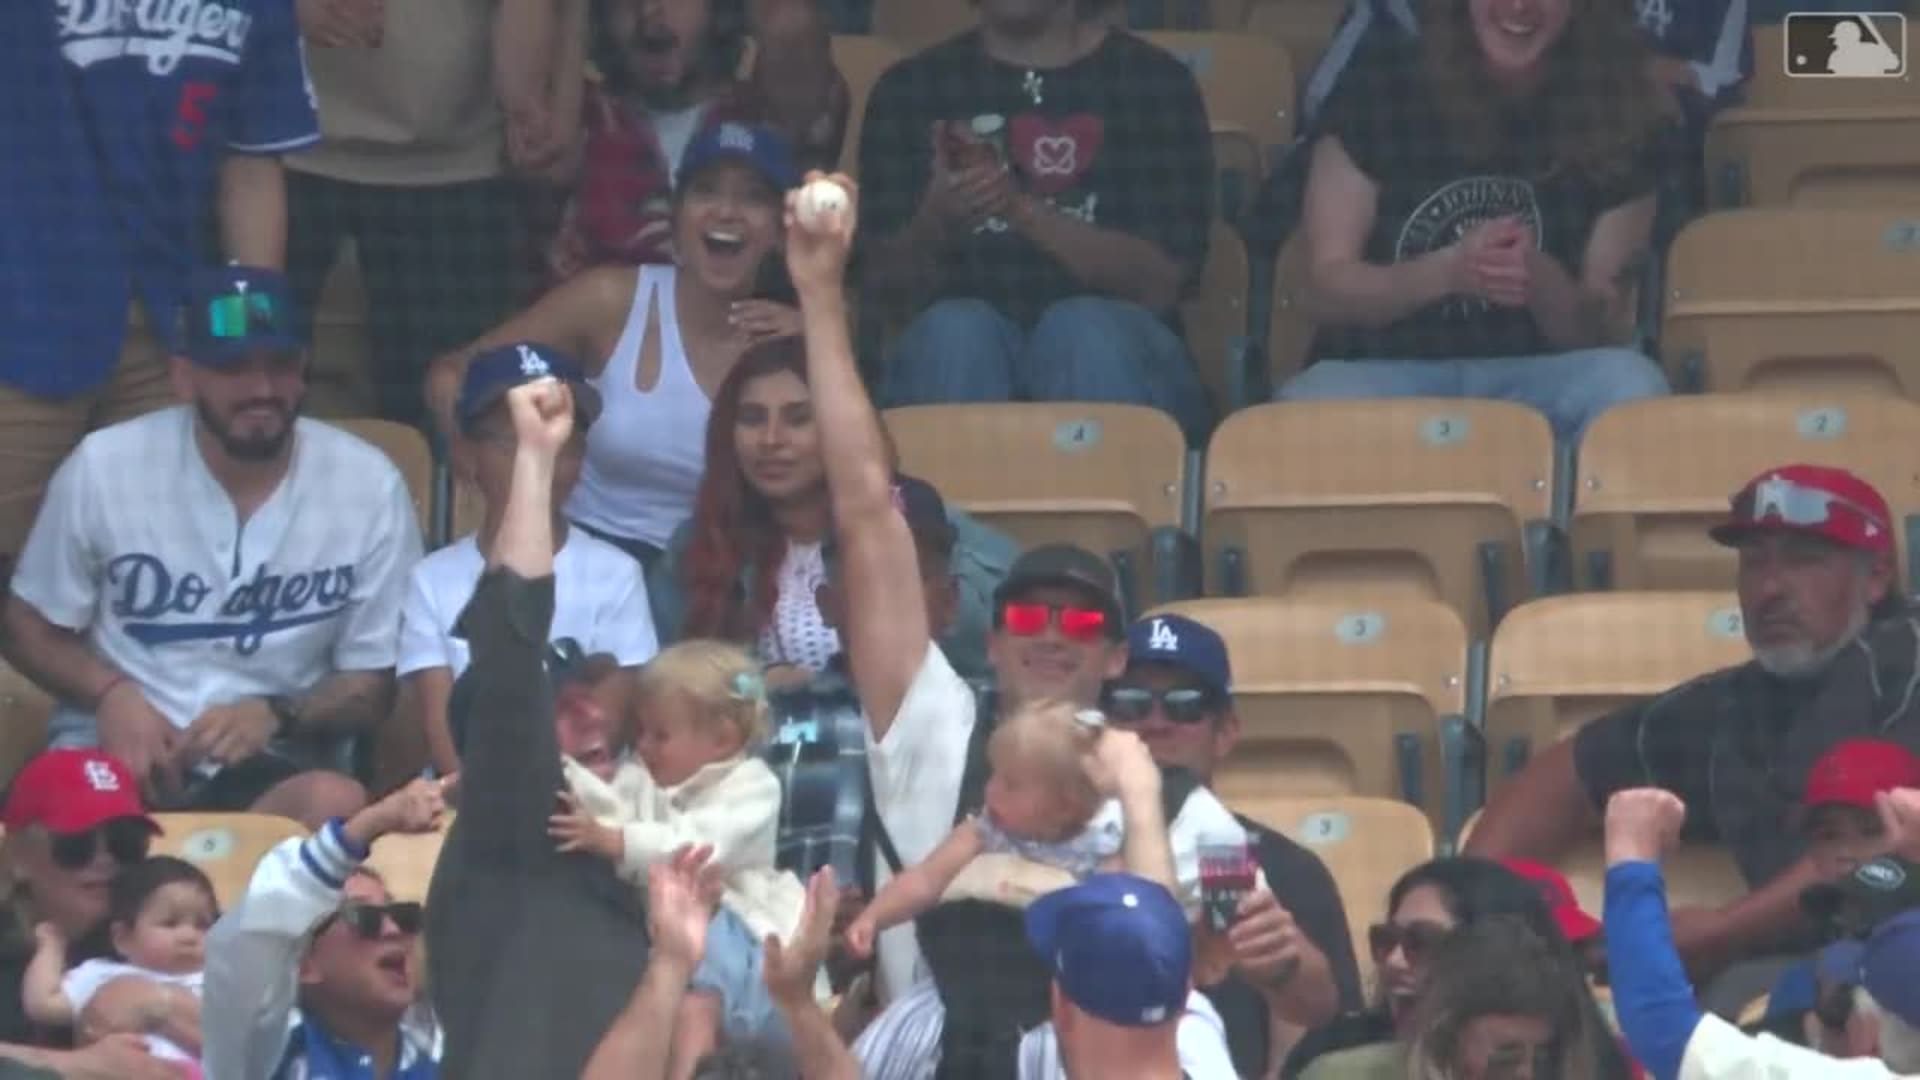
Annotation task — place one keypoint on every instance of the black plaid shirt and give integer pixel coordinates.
(1385, 118)
(1737, 745)
(1118, 138)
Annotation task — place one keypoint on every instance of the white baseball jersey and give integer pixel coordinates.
(140, 549)
(599, 600)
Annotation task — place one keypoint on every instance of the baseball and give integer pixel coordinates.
(820, 200)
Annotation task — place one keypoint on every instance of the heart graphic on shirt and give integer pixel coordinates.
(1055, 154)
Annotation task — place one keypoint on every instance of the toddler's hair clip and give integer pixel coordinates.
(749, 686)
(1091, 719)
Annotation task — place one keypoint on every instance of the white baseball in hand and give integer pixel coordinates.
(821, 201)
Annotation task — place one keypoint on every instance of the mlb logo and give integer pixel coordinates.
(1859, 46)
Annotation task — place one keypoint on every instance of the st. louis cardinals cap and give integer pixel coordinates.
(73, 791)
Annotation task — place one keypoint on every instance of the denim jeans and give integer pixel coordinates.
(1087, 348)
(1571, 388)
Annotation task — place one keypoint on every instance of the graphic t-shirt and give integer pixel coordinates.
(118, 115)
(1385, 116)
(1118, 139)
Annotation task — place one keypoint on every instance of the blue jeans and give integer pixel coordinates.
(1088, 348)
(1571, 388)
(732, 970)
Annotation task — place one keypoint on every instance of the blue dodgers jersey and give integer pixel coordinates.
(116, 117)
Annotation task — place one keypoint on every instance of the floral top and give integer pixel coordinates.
(1079, 855)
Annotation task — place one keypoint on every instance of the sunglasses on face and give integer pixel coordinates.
(1134, 704)
(125, 840)
(369, 921)
(1077, 624)
(1415, 940)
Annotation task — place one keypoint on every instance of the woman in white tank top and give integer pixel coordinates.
(659, 341)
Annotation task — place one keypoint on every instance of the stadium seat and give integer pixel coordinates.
(1697, 875)
(405, 862)
(861, 59)
(1111, 478)
(226, 847)
(1815, 142)
(410, 454)
(1302, 27)
(1559, 662)
(916, 24)
(1379, 498)
(1366, 845)
(1215, 317)
(1247, 82)
(1341, 697)
(1810, 300)
(340, 380)
(25, 710)
(1656, 474)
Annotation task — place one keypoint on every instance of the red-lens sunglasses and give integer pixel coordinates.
(1077, 624)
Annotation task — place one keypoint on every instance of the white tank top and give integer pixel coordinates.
(646, 451)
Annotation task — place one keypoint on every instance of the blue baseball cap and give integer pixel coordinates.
(1120, 948)
(765, 152)
(1180, 642)
(1888, 964)
(234, 312)
(497, 370)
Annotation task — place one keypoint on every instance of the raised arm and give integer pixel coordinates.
(581, 318)
(41, 994)
(886, 630)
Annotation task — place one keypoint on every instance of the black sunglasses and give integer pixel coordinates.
(1417, 940)
(1182, 704)
(126, 840)
(369, 921)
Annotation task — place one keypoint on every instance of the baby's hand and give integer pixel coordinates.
(860, 934)
(48, 936)
(576, 830)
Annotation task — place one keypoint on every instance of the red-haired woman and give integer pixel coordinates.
(748, 565)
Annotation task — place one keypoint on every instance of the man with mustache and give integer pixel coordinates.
(1834, 651)
(212, 592)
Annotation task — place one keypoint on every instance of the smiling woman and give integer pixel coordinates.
(659, 341)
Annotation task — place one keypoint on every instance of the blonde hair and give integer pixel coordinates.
(720, 679)
(1051, 737)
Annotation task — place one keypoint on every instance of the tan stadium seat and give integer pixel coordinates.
(1559, 662)
(1366, 844)
(1215, 317)
(405, 862)
(916, 24)
(1655, 475)
(1247, 83)
(861, 59)
(1815, 142)
(1811, 300)
(226, 847)
(1698, 875)
(25, 711)
(340, 380)
(408, 450)
(1340, 698)
(1366, 499)
(1099, 475)
(1303, 27)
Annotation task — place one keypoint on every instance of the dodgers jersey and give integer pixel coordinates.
(117, 116)
(139, 549)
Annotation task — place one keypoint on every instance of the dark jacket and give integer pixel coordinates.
(531, 953)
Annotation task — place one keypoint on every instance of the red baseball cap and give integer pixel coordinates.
(1575, 925)
(73, 791)
(1813, 500)
(1854, 771)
